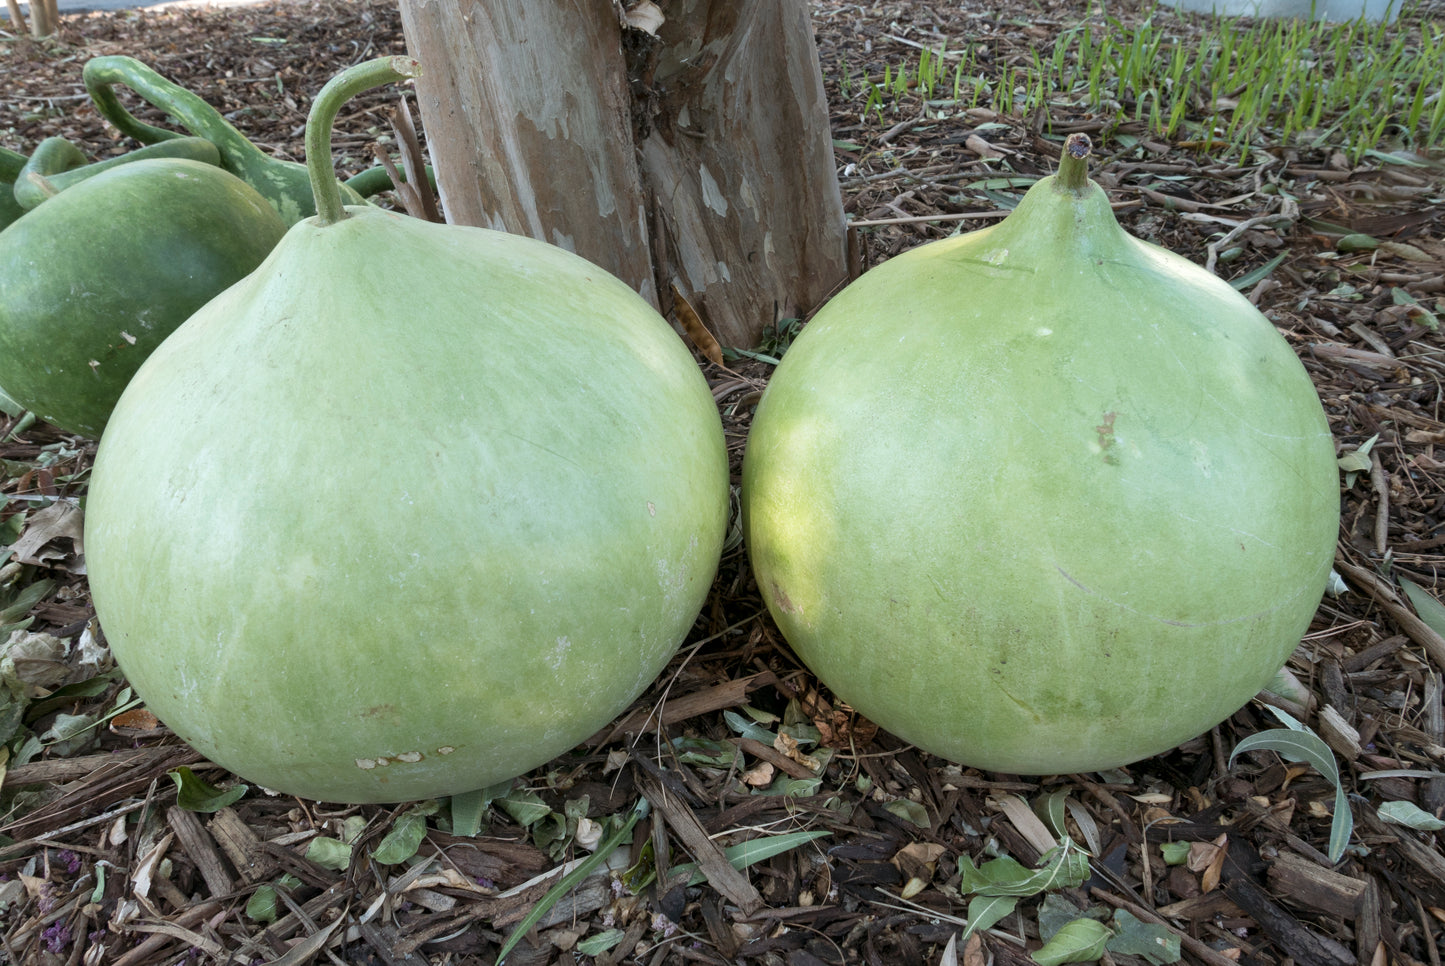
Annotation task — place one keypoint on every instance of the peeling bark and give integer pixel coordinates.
(698, 158)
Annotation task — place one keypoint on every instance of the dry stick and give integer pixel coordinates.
(1420, 632)
(1194, 946)
(1382, 508)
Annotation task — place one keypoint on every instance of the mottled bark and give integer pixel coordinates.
(697, 158)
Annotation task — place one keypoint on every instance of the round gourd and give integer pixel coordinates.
(1042, 498)
(430, 506)
(100, 273)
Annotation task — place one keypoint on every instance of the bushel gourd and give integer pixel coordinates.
(410, 510)
(1042, 498)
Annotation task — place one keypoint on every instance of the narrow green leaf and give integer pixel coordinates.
(194, 794)
(1052, 811)
(467, 810)
(572, 879)
(1081, 941)
(1411, 815)
(1252, 278)
(985, 911)
(753, 851)
(1135, 937)
(600, 943)
(1431, 611)
(1307, 747)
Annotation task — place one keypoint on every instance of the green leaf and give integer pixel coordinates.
(985, 911)
(195, 794)
(406, 835)
(753, 851)
(1081, 941)
(1358, 459)
(1175, 853)
(1252, 278)
(600, 943)
(28, 596)
(1135, 937)
(1411, 815)
(97, 895)
(909, 811)
(262, 906)
(571, 880)
(1357, 242)
(1307, 747)
(748, 729)
(1066, 867)
(1053, 812)
(466, 810)
(1431, 611)
(329, 853)
(1056, 912)
(525, 807)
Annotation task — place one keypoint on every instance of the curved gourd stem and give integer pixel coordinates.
(1073, 174)
(51, 156)
(378, 179)
(340, 89)
(101, 74)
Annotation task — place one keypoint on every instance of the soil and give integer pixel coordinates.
(100, 862)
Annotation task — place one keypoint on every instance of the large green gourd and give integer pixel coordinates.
(412, 509)
(1042, 498)
(98, 275)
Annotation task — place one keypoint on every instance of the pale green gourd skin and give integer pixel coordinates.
(1043, 498)
(411, 510)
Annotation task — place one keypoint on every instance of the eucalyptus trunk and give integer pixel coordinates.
(682, 145)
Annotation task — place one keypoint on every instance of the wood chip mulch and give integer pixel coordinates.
(99, 863)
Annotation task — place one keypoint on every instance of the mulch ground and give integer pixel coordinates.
(99, 864)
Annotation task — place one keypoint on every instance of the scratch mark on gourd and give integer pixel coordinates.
(1171, 622)
(564, 458)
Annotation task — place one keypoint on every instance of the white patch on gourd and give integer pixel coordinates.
(559, 653)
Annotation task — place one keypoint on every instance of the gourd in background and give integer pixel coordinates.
(97, 276)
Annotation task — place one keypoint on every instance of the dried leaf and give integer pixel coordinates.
(691, 323)
(58, 521)
(644, 15)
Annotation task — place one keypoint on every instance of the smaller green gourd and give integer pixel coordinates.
(285, 184)
(57, 164)
(97, 276)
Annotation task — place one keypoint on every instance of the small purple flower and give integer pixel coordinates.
(69, 859)
(664, 925)
(46, 900)
(485, 883)
(56, 936)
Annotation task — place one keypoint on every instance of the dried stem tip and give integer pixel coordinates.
(1073, 165)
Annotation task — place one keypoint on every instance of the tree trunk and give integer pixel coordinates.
(697, 157)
